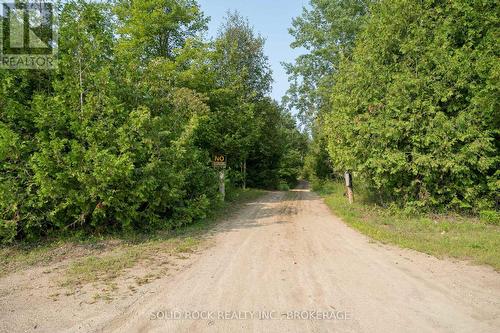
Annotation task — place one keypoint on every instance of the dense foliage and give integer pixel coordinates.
(413, 107)
(121, 135)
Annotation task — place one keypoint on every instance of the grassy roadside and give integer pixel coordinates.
(105, 258)
(454, 236)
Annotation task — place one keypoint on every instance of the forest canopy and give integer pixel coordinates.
(120, 136)
(405, 94)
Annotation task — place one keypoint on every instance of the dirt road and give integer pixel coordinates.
(286, 264)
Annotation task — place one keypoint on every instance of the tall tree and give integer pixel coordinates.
(242, 77)
(327, 31)
(157, 28)
(240, 62)
(417, 105)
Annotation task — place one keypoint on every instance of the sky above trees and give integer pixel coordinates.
(271, 19)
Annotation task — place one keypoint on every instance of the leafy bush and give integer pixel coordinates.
(283, 186)
(490, 217)
(8, 231)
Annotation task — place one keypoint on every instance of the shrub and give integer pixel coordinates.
(490, 217)
(8, 231)
(283, 186)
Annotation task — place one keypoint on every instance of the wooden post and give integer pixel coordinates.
(245, 174)
(350, 194)
(348, 184)
(222, 183)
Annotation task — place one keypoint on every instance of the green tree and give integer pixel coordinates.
(242, 77)
(327, 31)
(417, 105)
(161, 63)
(277, 154)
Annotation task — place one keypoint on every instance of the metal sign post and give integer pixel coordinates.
(220, 163)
